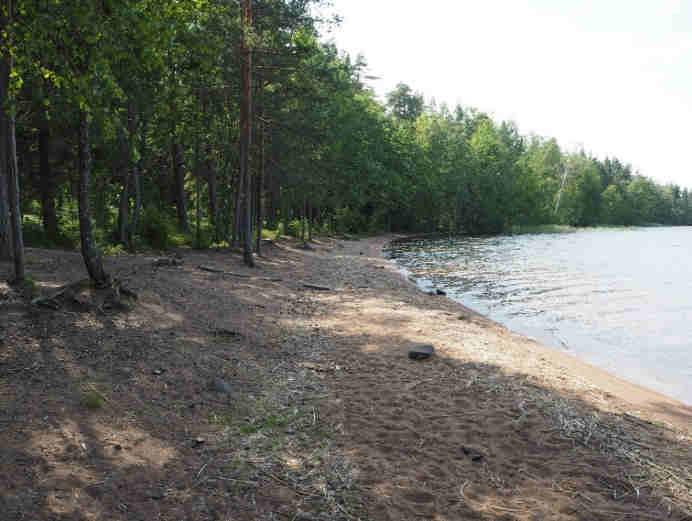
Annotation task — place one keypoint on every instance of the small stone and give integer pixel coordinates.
(476, 455)
(221, 386)
(421, 352)
(158, 372)
(440, 292)
(198, 441)
(157, 493)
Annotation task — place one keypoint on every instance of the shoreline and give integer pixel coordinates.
(286, 392)
(643, 399)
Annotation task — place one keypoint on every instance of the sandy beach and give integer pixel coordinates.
(286, 392)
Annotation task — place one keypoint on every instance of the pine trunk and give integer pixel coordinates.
(5, 227)
(92, 258)
(11, 167)
(179, 179)
(212, 187)
(5, 233)
(258, 193)
(48, 213)
(124, 206)
(15, 206)
(137, 169)
(246, 135)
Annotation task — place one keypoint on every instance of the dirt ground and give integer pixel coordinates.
(246, 395)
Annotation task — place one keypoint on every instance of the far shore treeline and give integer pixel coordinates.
(130, 124)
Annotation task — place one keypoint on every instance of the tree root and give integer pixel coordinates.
(84, 296)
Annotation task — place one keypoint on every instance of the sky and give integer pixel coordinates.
(613, 77)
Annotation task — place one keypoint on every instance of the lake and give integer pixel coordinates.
(618, 298)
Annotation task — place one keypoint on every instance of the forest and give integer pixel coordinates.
(150, 124)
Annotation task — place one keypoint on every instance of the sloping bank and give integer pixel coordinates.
(285, 392)
(495, 425)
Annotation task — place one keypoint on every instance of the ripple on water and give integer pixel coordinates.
(621, 299)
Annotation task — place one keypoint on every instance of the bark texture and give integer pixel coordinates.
(91, 255)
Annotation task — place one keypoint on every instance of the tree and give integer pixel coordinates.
(404, 103)
(246, 131)
(9, 143)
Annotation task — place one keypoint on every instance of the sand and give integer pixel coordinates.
(328, 419)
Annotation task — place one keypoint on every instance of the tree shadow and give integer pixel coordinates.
(450, 438)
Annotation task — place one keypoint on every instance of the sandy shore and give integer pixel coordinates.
(632, 397)
(325, 417)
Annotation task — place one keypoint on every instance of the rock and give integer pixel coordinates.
(168, 261)
(476, 455)
(227, 332)
(157, 493)
(198, 441)
(221, 386)
(440, 292)
(421, 352)
(158, 371)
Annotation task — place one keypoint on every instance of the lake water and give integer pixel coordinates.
(618, 298)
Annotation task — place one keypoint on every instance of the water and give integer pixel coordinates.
(620, 299)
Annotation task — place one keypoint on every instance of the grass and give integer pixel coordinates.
(92, 399)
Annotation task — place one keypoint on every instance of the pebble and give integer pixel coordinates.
(421, 352)
(221, 386)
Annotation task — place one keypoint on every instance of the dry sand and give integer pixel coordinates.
(327, 419)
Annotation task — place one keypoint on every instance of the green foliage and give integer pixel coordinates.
(159, 75)
(35, 235)
(92, 399)
(347, 220)
(158, 230)
(294, 228)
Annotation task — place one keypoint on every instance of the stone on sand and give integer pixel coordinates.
(421, 352)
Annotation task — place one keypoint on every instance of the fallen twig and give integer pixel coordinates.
(222, 272)
(316, 287)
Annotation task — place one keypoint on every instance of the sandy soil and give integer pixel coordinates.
(326, 417)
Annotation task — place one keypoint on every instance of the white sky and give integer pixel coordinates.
(613, 76)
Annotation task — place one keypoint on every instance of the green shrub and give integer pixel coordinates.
(92, 399)
(294, 228)
(346, 220)
(158, 230)
(36, 237)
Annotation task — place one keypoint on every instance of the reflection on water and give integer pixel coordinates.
(621, 299)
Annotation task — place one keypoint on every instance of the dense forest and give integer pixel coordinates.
(129, 124)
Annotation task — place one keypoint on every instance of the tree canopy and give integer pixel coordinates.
(137, 125)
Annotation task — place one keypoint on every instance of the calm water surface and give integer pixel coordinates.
(621, 299)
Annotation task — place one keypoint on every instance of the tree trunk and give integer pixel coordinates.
(5, 233)
(14, 200)
(124, 210)
(8, 135)
(180, 197)
(123, 169)
(48, 213)
(198, 194)
(246, 134)
(238, 212)
(212, 188)
(137, 170)
(309, 223)
(259, 189)
(91, 255)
